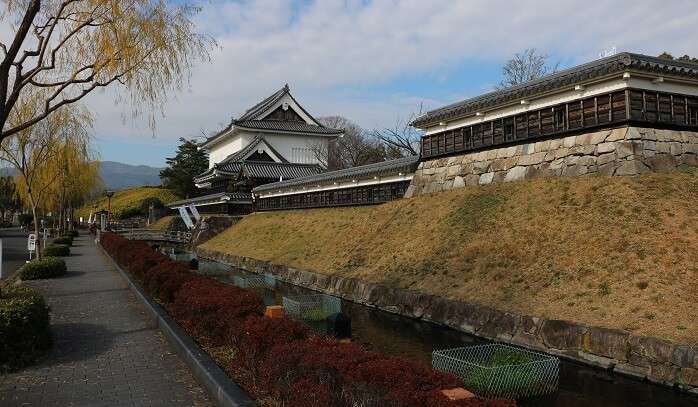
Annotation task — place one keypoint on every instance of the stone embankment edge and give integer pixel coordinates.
(222, 390)
(639, 357)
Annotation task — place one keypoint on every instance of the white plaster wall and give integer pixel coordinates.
(229, 145)
(296, 149)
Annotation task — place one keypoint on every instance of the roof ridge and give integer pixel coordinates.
(623, 60)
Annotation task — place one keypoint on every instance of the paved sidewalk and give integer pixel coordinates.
(105, 352)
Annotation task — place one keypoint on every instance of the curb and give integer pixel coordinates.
(223, 391)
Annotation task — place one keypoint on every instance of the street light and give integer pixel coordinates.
(109, 194)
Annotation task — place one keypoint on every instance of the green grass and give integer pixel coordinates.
(127, 202)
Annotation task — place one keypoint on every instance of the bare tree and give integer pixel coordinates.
(401, 140)
(354, 148)
(528, 65)
(70, 48)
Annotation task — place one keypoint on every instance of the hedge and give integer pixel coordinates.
(66, 240)
(57, 250)
(47, 267)
(24, 327)
(281, 359)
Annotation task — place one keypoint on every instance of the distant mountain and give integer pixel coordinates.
(118, 175)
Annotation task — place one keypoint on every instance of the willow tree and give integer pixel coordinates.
(72, 176)
(36, 151)
(70, 48)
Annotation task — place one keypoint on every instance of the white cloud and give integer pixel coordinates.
(325, 48)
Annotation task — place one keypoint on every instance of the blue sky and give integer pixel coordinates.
(376, 61)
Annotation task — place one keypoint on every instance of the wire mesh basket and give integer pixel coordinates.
(249, 281)
(499, 370)
(269, 280)
(312, 307)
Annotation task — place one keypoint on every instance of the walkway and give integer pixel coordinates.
(105, 352)
(14, 250)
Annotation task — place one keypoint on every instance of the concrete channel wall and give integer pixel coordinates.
(642, 357)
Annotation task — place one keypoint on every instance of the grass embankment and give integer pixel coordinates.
(162, 223)
(128, 202)
(604, 251)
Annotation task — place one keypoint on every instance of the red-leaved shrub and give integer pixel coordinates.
(279, 357)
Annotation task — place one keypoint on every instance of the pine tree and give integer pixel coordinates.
(189, 162)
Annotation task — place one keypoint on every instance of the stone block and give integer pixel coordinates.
(503, 164)
(690, 148)
(606, 158)
(562, 152)
(447, 185)
(507, 152)
(491, 154)
(661, 373)
(604, 148)
(583, 139)
(458, 182)
(649, 145)
(569, 141)
(583, 150)
(631, 167)
(481, 167)
(617, 134)
(532, 159)
(554, 144)
(587, 160)
(633, 134)
(486, 178)
(541, 146)
(610, 343)
(675, 148)
(663, 147)
(516, 174)
(472, 179)
(453, 170)
(557, 164)
(662, 162)
(653, 350)
(599, 137)
(684, 355)
(689, 376)
(563, 335)
(528, 148)
(627, 148)
(452, 160)
(638, 372)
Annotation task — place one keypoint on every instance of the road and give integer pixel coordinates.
(14, 250)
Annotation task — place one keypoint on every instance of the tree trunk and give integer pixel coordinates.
(36, 224)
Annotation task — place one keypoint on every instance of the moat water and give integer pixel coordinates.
(579, 385)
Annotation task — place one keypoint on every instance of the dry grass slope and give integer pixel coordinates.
(614, 252)
(127, 199)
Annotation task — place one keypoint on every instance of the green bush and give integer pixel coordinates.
(24, 327)
(47, 267)
(57, 250)
(66, 240)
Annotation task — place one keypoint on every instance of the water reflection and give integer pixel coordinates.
(579, 385)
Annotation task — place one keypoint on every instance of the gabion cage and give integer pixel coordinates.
(498, 370)
(269, 280)
(312, 307)
(249, 281)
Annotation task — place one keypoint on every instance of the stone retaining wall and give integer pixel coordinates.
(620, 151)
(639, 356)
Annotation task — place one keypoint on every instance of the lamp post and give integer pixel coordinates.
(109, 194)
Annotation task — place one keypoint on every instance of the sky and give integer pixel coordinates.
(377, 62)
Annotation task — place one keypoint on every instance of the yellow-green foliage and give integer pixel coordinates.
(620, 252)
(127, 200)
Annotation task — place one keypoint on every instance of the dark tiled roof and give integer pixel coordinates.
(239, 156)
(286, 126)
(232, 197)
(270, 170)
(618, 63)
(405, 165)
(254, 113)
